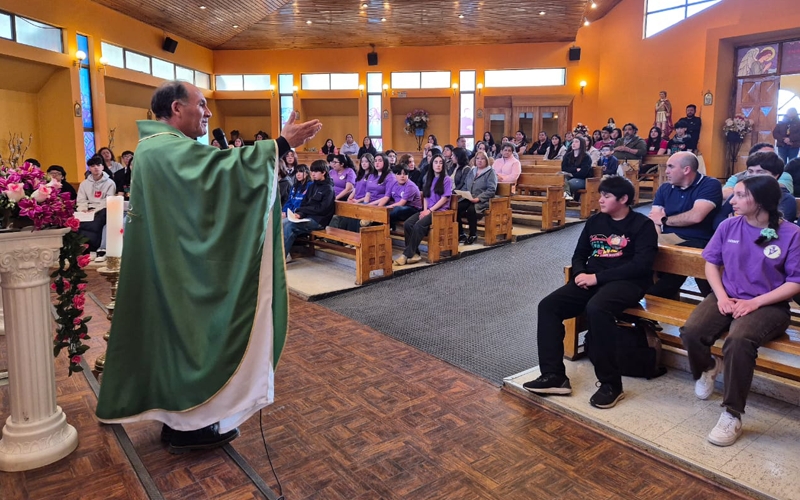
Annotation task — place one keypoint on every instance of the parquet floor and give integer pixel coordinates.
(360, 416)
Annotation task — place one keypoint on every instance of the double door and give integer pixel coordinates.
(510, 116)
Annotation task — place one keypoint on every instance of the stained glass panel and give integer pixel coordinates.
(83, 44)
(374, 113)
(86, 99)
(88, 145)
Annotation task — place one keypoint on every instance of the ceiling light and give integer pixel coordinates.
(594, 5)
(202, 7)
(383, 19)
(364, 5)
(541, 13)
(461, 16)
(308, 22)
(586, 21)
(235, 26)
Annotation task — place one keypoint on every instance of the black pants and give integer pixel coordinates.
(669, 285)
(93, 230)
(415, 229)
(466, 209)
(602, 304)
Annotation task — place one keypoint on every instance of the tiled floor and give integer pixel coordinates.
(664, 416)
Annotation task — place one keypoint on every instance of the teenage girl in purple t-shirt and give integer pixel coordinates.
(753, 267)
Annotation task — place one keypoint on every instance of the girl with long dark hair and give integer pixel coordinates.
(328, 148)
(436, 197)
(367, 148)
(578, 165)
(556, 150)
(366, 169)
(298, 190)
(656, 145)
(491, 147)
(379, 186)
(753, 267)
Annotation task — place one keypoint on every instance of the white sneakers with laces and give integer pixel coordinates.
(727, 430)
(704, 386)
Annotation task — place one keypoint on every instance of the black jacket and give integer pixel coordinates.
(568, 165)
(364, 150)
(122, 178)
(318, 203)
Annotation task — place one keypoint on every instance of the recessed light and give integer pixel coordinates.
(541, 13)
(235, 26)
(308, 22)
(202, 7)
(364, 5)
(383, 19)
(594, 5)
(461, 16)
(586, 22)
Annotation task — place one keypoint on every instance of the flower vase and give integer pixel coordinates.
(36, 433)
(419, 132)
(734, 137)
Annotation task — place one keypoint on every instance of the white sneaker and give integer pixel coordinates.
(567, 196)
(100, 258)
(704, 386)
(727, 430)
(288, 258)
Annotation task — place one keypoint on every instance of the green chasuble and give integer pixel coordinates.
(202, 307)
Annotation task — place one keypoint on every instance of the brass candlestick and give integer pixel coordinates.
(111, 273)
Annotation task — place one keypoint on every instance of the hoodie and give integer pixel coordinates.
(92, 194)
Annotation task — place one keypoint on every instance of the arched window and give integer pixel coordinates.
(661, 14)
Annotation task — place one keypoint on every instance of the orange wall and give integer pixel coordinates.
(19, 114)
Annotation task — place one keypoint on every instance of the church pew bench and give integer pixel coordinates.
(497, 221)
(442, 239)
(687, 261)
(548, 190)
(373, 245)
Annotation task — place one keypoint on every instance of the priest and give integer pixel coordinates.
(201, 311)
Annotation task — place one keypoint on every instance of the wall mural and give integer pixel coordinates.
(754, 61)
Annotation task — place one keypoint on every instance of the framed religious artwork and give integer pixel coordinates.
(708, 98)
(756, 61)
(790, 57)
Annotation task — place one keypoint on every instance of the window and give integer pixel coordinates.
(123, 58)
(5, 27)
(137, 62)
(661, 14)
(421, 80)
(163, 69)
(256, 82)
(184, 74)
(229, 82)
(329, 81)
(787, 99)
(38, 34)
(525, 77)
(85, 77)
(466, 127)
(286, 90)
(202, 80)
(114, 54)
(374, 106)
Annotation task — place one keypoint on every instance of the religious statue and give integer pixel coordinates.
(664, 114)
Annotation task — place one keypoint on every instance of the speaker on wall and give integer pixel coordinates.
(170, 45)
(372, 59)
(575, 54)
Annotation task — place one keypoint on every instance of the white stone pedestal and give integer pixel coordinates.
(36, 433)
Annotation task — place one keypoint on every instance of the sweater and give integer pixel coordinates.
(92, 194)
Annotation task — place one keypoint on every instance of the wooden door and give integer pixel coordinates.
(554, 120)
(757, 99)
(526, 119)
(498, 121)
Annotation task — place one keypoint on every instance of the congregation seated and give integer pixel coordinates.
(656, 144)
(328, 148)
(481, 182)
(556, 150)
(786, 180)
(92, 194)
(238, 142)
(122, 177)
(284, 186)
(379, 185)
(612, 267)
(608, 161)
(110, 165)
(392, 155)
(605, 138)
(460, 169)
(367, 147)
(297, 191)
(489, 144)
(349, 147)
(481, 146)
(507, 167)
(344, 178)
(505, 140)
(681, 141)
(414, 174)
(431, 143)
(577, 167)
(763, 164)
(686, 207)
(753, 265)
(693, 122)
(540, 146)
(793, 169)
(317, 206)
(520, 142)
(436, 197)
(261, 136)
(290, 159)
(405, 197)
(447, 154)
(57, 173)
(630, 146)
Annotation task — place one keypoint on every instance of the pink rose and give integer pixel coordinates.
(76, 359)
(53, 287)
(79, 301)
(42, 193)
(73, 223)
(66, 284)
(77, 321)
(54, 184)
(15, 191)
(84, 260)
(82, 336)
(82, 287)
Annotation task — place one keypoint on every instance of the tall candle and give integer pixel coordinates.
(114, 205)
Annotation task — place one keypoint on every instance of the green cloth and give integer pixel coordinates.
(189, 282)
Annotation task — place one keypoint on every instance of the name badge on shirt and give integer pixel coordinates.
(341, 177)
(98, 194)
(772, 251)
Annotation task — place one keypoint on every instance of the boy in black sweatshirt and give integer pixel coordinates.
(317, 205)
(612, 267)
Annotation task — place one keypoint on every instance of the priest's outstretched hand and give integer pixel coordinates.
(296, 134)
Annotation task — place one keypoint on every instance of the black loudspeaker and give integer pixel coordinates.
(170, 45)
(372, 59)
(575, 54)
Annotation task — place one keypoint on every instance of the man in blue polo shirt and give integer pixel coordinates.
(685, 207)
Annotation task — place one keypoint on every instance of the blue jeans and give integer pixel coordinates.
(575, 185)
(400, 214)
(291, 230)
(787, 153)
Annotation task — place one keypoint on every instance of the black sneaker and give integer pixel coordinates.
(607, 396)
(549, 383)
(166, 433)
(462, 238)
(202, 439)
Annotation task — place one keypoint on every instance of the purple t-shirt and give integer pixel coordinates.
(377, 191)
(360, 188)
(751, 270)
(340, 180)
(434, 198)
(409, 192)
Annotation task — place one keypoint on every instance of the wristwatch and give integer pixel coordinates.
(664, 221)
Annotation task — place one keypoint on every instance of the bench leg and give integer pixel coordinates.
(374, 255)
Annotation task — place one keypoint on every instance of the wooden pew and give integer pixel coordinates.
(497, 221)
(373, 245)
(651, 171)
(443, 236)
(687, 261)
(547, 189)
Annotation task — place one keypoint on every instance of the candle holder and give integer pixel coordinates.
(111, 273)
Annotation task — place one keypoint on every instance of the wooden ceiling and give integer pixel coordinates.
(283, 24)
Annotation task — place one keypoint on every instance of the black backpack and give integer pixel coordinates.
(639, 349)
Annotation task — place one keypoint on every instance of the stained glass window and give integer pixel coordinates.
(88, 145)
(86, 99)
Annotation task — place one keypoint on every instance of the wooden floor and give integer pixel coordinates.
(359, 416)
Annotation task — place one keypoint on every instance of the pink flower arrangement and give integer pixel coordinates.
(26, 192)
(84, 260)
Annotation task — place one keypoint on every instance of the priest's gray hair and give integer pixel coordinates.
(165, 95)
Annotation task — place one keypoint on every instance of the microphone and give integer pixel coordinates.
(219, 135)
